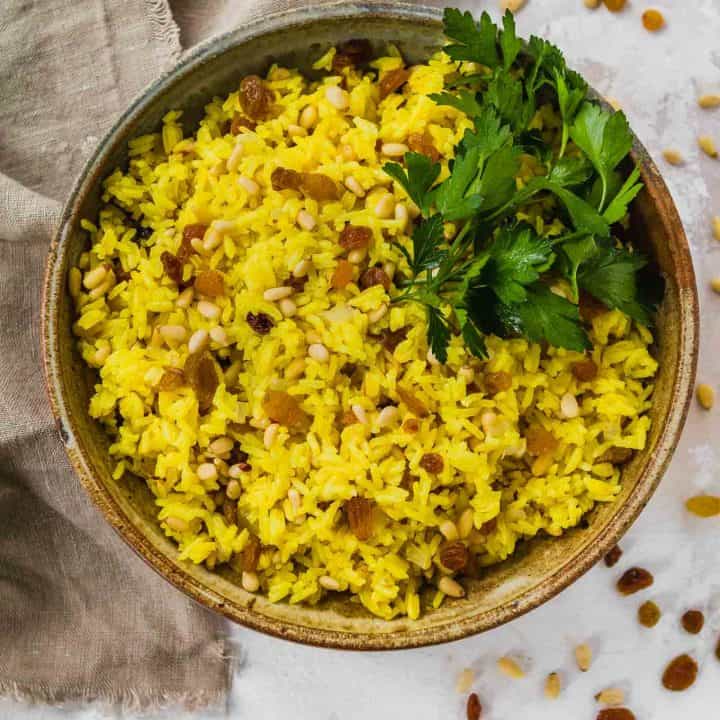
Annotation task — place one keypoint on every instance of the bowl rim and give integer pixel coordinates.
(564, 575)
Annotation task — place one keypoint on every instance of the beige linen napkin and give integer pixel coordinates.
(81, 617)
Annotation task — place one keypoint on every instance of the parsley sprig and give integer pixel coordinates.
(494, 276)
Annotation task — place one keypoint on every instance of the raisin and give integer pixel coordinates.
(210, 283)
(680, 674)
(374, 276)
(693, 621)
(260, 323)
(614, 5)
(348, 369)
(540, 441)
(617, 455)
(172, 266)
(202, 375)
(341, 61)
(229, 508)
(411, 425)
(490, 526)
(392, 338)
(190, 232)
(251, 554)
(285, 179)
(360, 516)
(414, 404)
(358, 50)
(296, 283)
(255, 97)
(498, 382)
(423, 143)
(283, 408)
(649, 614)
(634, 580)
(172, 379)
(318, 186)
(616, 713)
(240, 121)
(703, 505)
(348, 418)
(454, 555)
(590, 307)
(144, 232)
(585, 370)
(393, 80)
(432, 463)
(355, 237)
(613, 556)
(120, 273)
(343, 274)
(473, 709)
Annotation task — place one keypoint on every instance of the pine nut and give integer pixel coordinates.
(198, 341)
(507, 666)
(569, 406)
(296, 131)
(385, 206)
(277, 293)
(294, 498)
(233, 489)
(236, 471)
(301, 269)
(465, 523)
(465, 681)
(354, 186)
(401, 216)
(270, 434)
(707, 145)
(287, 307)
(100, 290)
(451, 587)
(711, 100)
(673, 156)
(347, 152)
(249, 185)
(207, 472)
(250, 581)
(219, 335)
(305, 220)
(213, 238)
(172, 333)
(583, 657)
(312, 336)
(388, 415)
(611, 696)
(318, 352)
(221, 445)
(176, 523)
(449, 530)
(295, 369)
(432, 360)
(208, 310)
(328, 583)
(715, 284)
(716, 227)
(705, 396)
(185, 298)
(95, 277)
(394, 149)
(356, 256)
(235, 156)
(467, 374)
(101, 355)
(359, 412)
(512, 5)
(224, 226)
(74, 282)
(378, 314)
(389, 269)
(552, 686)
(308, 116)
(337, 97)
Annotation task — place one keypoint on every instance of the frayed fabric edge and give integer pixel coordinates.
(165, 32)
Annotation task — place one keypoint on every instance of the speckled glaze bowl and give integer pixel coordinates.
(540, 568)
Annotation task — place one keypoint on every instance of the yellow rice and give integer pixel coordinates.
(176, 179)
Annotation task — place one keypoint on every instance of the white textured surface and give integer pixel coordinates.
(656, 78)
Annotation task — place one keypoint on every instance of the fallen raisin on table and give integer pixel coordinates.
(634, 580)
(585, 370)
(318, 186)
(260, 323)
(359, 514)
(473, 709)
(693, 621)
(432, 462)
(284, 179)
(703, 505)
(680, 674)
(374, 276)
(172, 266)
(613, 556)
(283, 408)
(540, 441)
(355, 237)
(251, 554)
(255, 97)
(240, 121)
(649, 614)
(423, 143)
(393, 80)
(210, 283)
(615, 5)
(615, 714)
(498, 382)
(454, 555)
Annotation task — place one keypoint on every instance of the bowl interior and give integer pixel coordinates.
(540, 568)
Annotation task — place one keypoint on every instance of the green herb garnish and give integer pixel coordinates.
(495, 274)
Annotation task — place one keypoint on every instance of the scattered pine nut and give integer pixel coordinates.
(705, 396)
(465, 680)
(611, 696)
(673, 157)
(250, 581)
(552, 686)
(507, 666)
(715, 284)
(707, 145)
(583, 657)
(451, 587)
(709, 100)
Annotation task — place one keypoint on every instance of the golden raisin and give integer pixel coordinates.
(540, 441)
(615, 714)
(617, 455)
(392, 80)
(283, 408)
(318, 186)
(251, 554)
(415, 405)
(613, 556)
(649, 614)
(360, 516)
(432, 462)
(411, 425)
(240, 121)
(454, 555)
(585, 370)
(343, 274)
(355, 237)
(172, 266)
(703, 505)
(693, 621)
(634, 580)
(473, 710)
(653, 20)
(210, 283)
(255, 97)
(172, 379)
(423, 143)
(202, 374)
(374, 276)
(496, 382)
(615, 5)
(284, 179)
(348, 418)
(680, 674)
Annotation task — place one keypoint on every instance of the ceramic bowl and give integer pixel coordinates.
(540, 568)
